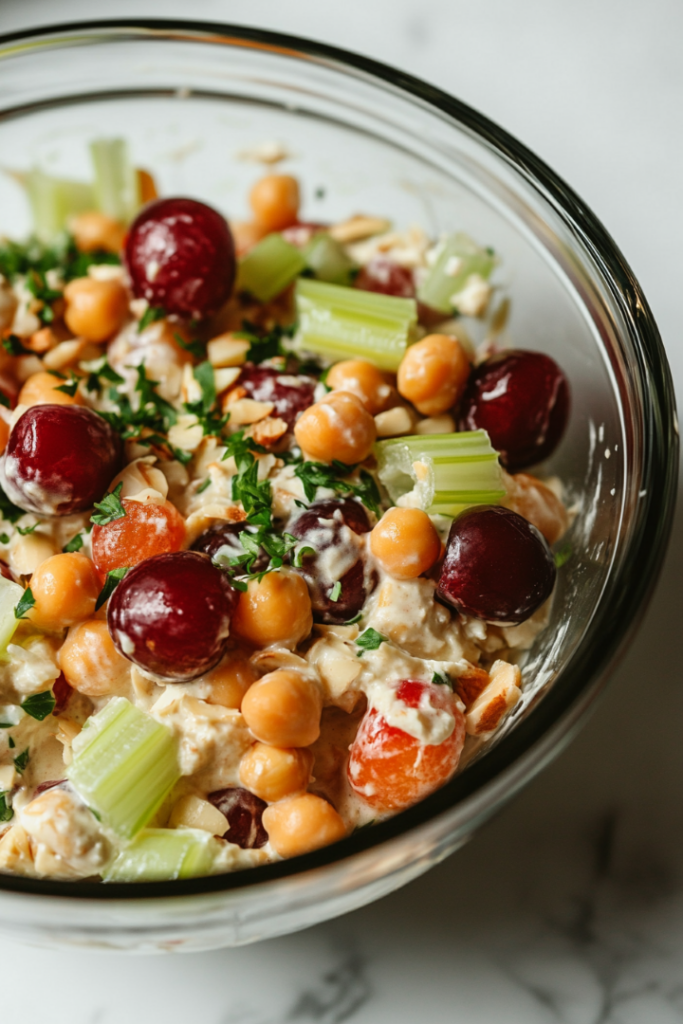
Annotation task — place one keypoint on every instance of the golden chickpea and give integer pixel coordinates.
(65, 588)
(405, 542)
(337, 427)
(275, 772)
(283, 709)
(94, 230)
(95, 310)
(246, 234)
(433, 374)
(147, 186)
(230, 680)
(274, 610)
(89, 660)
(275, 201)
(364, 380)
(41, 389)
(301, 824)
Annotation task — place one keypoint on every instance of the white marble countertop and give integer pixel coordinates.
(569, 906)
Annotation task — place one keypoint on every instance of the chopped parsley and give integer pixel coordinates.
(10, 742)
(370, 640)
(4, 538)
(4, 400)
(75, 544)
(39, 705)
(25, 603)
(150, 316)
(8, 510)
(354, 620)
(202, 487)
(318, 474)
(6, 812)
(72, 387)
(110, 508)
(563, 555)
(15, 347)
(335, 593)
(114, 577)
(442, 680)
(303, 553)
(21, 760)
(19, 258)
(195, 348)
(103, 372)
(211, 422)
(264, 345)
(25, 530)
(254, 494)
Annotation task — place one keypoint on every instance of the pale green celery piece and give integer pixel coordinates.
(269, 267)
(125, 764)
(10, 595)
(117, 192)
(160, 854)
(347, 323)
(328, 261)
(54, 200)
(441, 473)
(458, 258)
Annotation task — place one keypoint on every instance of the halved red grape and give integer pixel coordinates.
(330, 527)
(387, 278)
(62, 693)
(522, 399)
(170, 615)
(244, 812)
(60, 459)
(497, 567)
(224, 537)
(180, 255)
(290, 393)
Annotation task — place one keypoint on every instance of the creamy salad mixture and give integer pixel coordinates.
(270, 553)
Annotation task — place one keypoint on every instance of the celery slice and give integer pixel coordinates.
(458, 258)
(269, 267)
(125, 764)
(347, 323)
(117, 189)
(158, 854)
(328, 261)
(10, 595)
(54, 200)
(441, 473)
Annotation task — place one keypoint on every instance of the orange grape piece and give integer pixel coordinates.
(146, 529)
(392, 770)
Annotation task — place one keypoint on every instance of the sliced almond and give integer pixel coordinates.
(68, 352)
(186, 434)
(436, 425)
(395, 422)
(248, 410)
(225, 378)
(267, 431)
(227, 350)
(471, 684)
(203, 518)
(495, 700)
(359, 227)
(193, 812)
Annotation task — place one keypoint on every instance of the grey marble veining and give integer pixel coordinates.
(568, 908)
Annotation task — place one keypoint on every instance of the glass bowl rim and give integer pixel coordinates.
(611, 622)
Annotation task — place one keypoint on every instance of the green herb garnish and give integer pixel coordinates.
(75, 544)
(442, 680)
(211, 422)
(26, 602)
(318, 474)
(563, 555)
(25, 530)
(369, 640)
(39, 705)
(335, 593)
(150, 316)
(110, 508)
(21, 760)
(114, 577)
(8, 510)
(6, 812)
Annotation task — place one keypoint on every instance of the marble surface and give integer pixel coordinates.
(569, 906)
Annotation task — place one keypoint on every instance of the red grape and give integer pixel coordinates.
(522, 400)
(244, 812)
(60, 459)
(180, 255)
(170, 615)
(497, 567)
(226, 535)
(290, 393)
(386, 277)
(61, 691)
(333, 524)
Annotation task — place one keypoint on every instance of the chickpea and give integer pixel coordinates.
(94, 230)
(405, 542)
(230, 680)
(433, 374)
(65, 588)
(283, 709)
(246, 234)
(364, 380)
(275, 772)
(275, 201)
(89, 660)
(147, 186)
(95, 310)
(337, 427)
(41, 389)
(301, 824)
(274, 610)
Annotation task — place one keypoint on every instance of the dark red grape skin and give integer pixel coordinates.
(170, 615)
(180, 255)
(61, 691)
(60, 459)
(389, 278)
(244, 812)
(321, 526)
(226, 534)
(265, 384)
(497, 567)
(522, 400)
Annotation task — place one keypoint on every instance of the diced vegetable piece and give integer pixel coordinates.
(117, 188)
(54, 200)
(328, 261)
(458, 258)
(125, 764)
(347, 323)
(159, 854)
(10, 596)
(269, 267)
(441, 473)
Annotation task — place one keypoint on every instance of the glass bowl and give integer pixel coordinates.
(363, 137)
